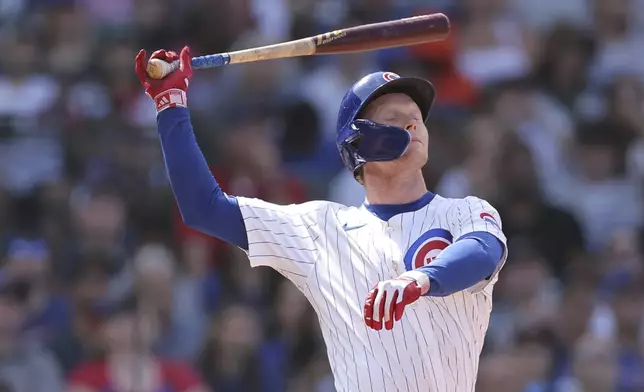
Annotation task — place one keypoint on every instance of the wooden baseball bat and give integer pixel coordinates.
(400, 32)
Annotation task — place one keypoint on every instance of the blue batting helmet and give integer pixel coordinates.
(360, 141)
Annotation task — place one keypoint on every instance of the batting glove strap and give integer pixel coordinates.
(421, 278)
(171, 98)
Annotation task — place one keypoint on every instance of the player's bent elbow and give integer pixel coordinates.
(223, 220)
(490, 265)
(489, 253)
(197, 224)
(192, 219)
(196, 212)
(200, 224)
(488, 262)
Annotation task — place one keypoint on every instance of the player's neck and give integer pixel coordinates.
(396, 189)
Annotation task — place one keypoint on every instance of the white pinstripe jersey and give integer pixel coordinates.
(336, 254)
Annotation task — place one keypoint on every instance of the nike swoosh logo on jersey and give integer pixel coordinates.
(348, 228)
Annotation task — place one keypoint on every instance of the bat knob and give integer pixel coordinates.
(158, 69)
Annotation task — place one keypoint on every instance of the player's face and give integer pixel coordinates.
(400, 111)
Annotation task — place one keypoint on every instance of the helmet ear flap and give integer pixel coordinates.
(350, 155)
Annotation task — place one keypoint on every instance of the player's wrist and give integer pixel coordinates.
(420, 278)
(170, 98)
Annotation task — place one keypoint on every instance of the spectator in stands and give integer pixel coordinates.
(101, 226)
(176, 309)
(28, 265)
(562, 71)
(477, 174)
(573, 318)
(601, 196)
(31, 146)
(230, 360)
(25, 366)
(128, 363)
(498, 373)
(528, 214)
(88, 291)
(543, 127)
(289, 344)
(619, 43)
(625, 104)
(493, 46)
(526, 300)
(628, 297)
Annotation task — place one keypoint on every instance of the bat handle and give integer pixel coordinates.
(158, 69)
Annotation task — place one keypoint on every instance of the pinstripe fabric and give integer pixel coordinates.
(436, 345)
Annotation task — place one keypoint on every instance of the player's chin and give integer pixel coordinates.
(416, 153)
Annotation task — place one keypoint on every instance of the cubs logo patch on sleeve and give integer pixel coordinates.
(426, 248)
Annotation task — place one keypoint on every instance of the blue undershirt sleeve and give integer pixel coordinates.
(470, 259)
(203, 204)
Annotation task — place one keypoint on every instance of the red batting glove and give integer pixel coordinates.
(170, 91)
(387, 300)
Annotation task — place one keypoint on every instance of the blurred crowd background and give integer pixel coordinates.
(540, 111)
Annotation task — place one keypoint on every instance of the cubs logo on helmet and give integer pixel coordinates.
(389, 76)
(426, 248)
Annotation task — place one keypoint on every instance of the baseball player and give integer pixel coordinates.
(402, 285)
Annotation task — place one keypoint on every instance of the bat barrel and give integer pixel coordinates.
(402, 32)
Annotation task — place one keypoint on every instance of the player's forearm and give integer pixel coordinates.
(463, 264)
(203, 205)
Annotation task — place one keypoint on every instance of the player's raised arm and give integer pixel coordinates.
(279, 235)
(203, 205)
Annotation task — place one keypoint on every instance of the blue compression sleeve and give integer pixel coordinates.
(203, 205)
(467, 261)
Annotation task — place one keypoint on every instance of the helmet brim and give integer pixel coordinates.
(418, 89)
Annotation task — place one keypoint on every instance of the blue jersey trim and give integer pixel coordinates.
(388, 211)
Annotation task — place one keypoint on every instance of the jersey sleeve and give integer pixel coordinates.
(283, 237)
(473, 214)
